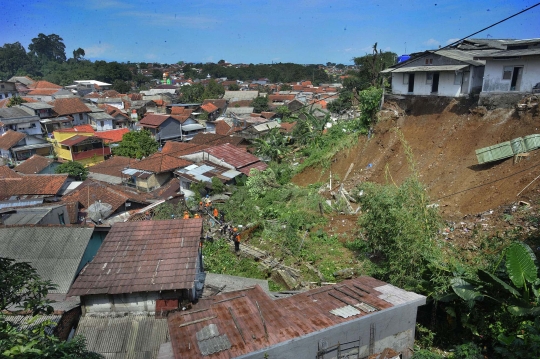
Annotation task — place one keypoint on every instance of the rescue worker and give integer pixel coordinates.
(186, 215)
(196, 215)
(237, 243)
(216, 213)
(201, 206)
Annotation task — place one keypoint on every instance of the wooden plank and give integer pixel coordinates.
(196, 321)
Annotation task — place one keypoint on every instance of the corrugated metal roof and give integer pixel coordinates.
(266, 126)
(21, 203)
(426, 68)
(346, 311)
(30, 322)
(465, 56)
(283, 319)
(514, 53)
(27, 216)
(55, 252)
(146, 256)
(192, 127)
(231, 173)
(129, 337)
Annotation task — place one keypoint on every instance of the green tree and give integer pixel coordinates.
(192, 93)
(260, 104)
(285, 87)
(136, 144)
(234, 87)
(370, 67)
(13, 58)
(213, 90)
(272, 146)
(217, 186)
(48, 48)
(122, 86)
(23, 288)
(73, 169)
(15, 100)
(78, 54)
(157, 74)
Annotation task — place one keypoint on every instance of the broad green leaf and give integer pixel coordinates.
(521, 311)
(465, 290)
(506, 340)
(520, 264)
(490, 278)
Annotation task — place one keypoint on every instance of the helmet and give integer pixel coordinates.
(235, 229)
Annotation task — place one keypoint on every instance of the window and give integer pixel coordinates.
(61, 218)
(429, 61)
(405, 79)
(458, 78)
(507, 72)
(429, 77)
(102, 123)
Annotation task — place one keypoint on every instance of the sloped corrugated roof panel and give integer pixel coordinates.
(133, 336)
(55, 252)
(426, 68)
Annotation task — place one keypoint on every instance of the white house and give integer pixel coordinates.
(449, 72)
(514, 69)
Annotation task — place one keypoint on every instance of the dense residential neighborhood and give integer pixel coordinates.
(175, 213)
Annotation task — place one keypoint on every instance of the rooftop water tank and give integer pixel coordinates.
(403, 58)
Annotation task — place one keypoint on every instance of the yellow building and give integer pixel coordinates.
(82, 147)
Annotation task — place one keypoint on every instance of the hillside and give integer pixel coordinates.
(443, 135)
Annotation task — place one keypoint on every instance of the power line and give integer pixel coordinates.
(466, 37)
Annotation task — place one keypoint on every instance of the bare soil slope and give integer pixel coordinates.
(443, 135)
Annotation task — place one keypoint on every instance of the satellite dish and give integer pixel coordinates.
(99, 210)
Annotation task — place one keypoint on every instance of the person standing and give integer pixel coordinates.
(216, 213)
(237, 243)
(186, 215)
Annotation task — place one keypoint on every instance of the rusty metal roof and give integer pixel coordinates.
(249, 329)
(146, 256)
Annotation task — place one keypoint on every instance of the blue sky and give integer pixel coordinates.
(303, 31)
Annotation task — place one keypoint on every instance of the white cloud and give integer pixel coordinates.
(107, 4)
(432, 42)
(150, 56)
(97, 50)
(449, 41)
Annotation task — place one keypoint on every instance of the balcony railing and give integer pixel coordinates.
(105, 151)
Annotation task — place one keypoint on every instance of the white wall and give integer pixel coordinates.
(421, 88)
(107, 125)
(30, 128)
(493, 74)
(126, 303)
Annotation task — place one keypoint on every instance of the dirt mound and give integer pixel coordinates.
(443, 135)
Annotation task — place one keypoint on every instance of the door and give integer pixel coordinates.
(411, 83)
(435, 83)
(465, 82)
(516, 79)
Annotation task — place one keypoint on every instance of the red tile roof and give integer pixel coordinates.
(182, 118)
(223, 128)
(266, 323)
(34, 164)
(75, 140)
(160, 162)
(6, 172)
(287, 127)
(112, 136)
(177, 110)
(43, 92)
(235, 156)
(209, 107)
(30, 185)
(280, 98)
(68, 106)
(10, 139)
(261, 166)
(213, 139)
(113, 166)
(145, 256)
(153, 120)
(219, 103)
(91, 191)
(182, 148)
(79, 128)
(44, 85)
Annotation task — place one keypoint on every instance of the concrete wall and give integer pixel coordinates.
(493, 81)
(153, 182)
(53, 217)
(107, 125)
(129, 302)
(447, 87)
(394, 328)
(80, 119)
(169, 129)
